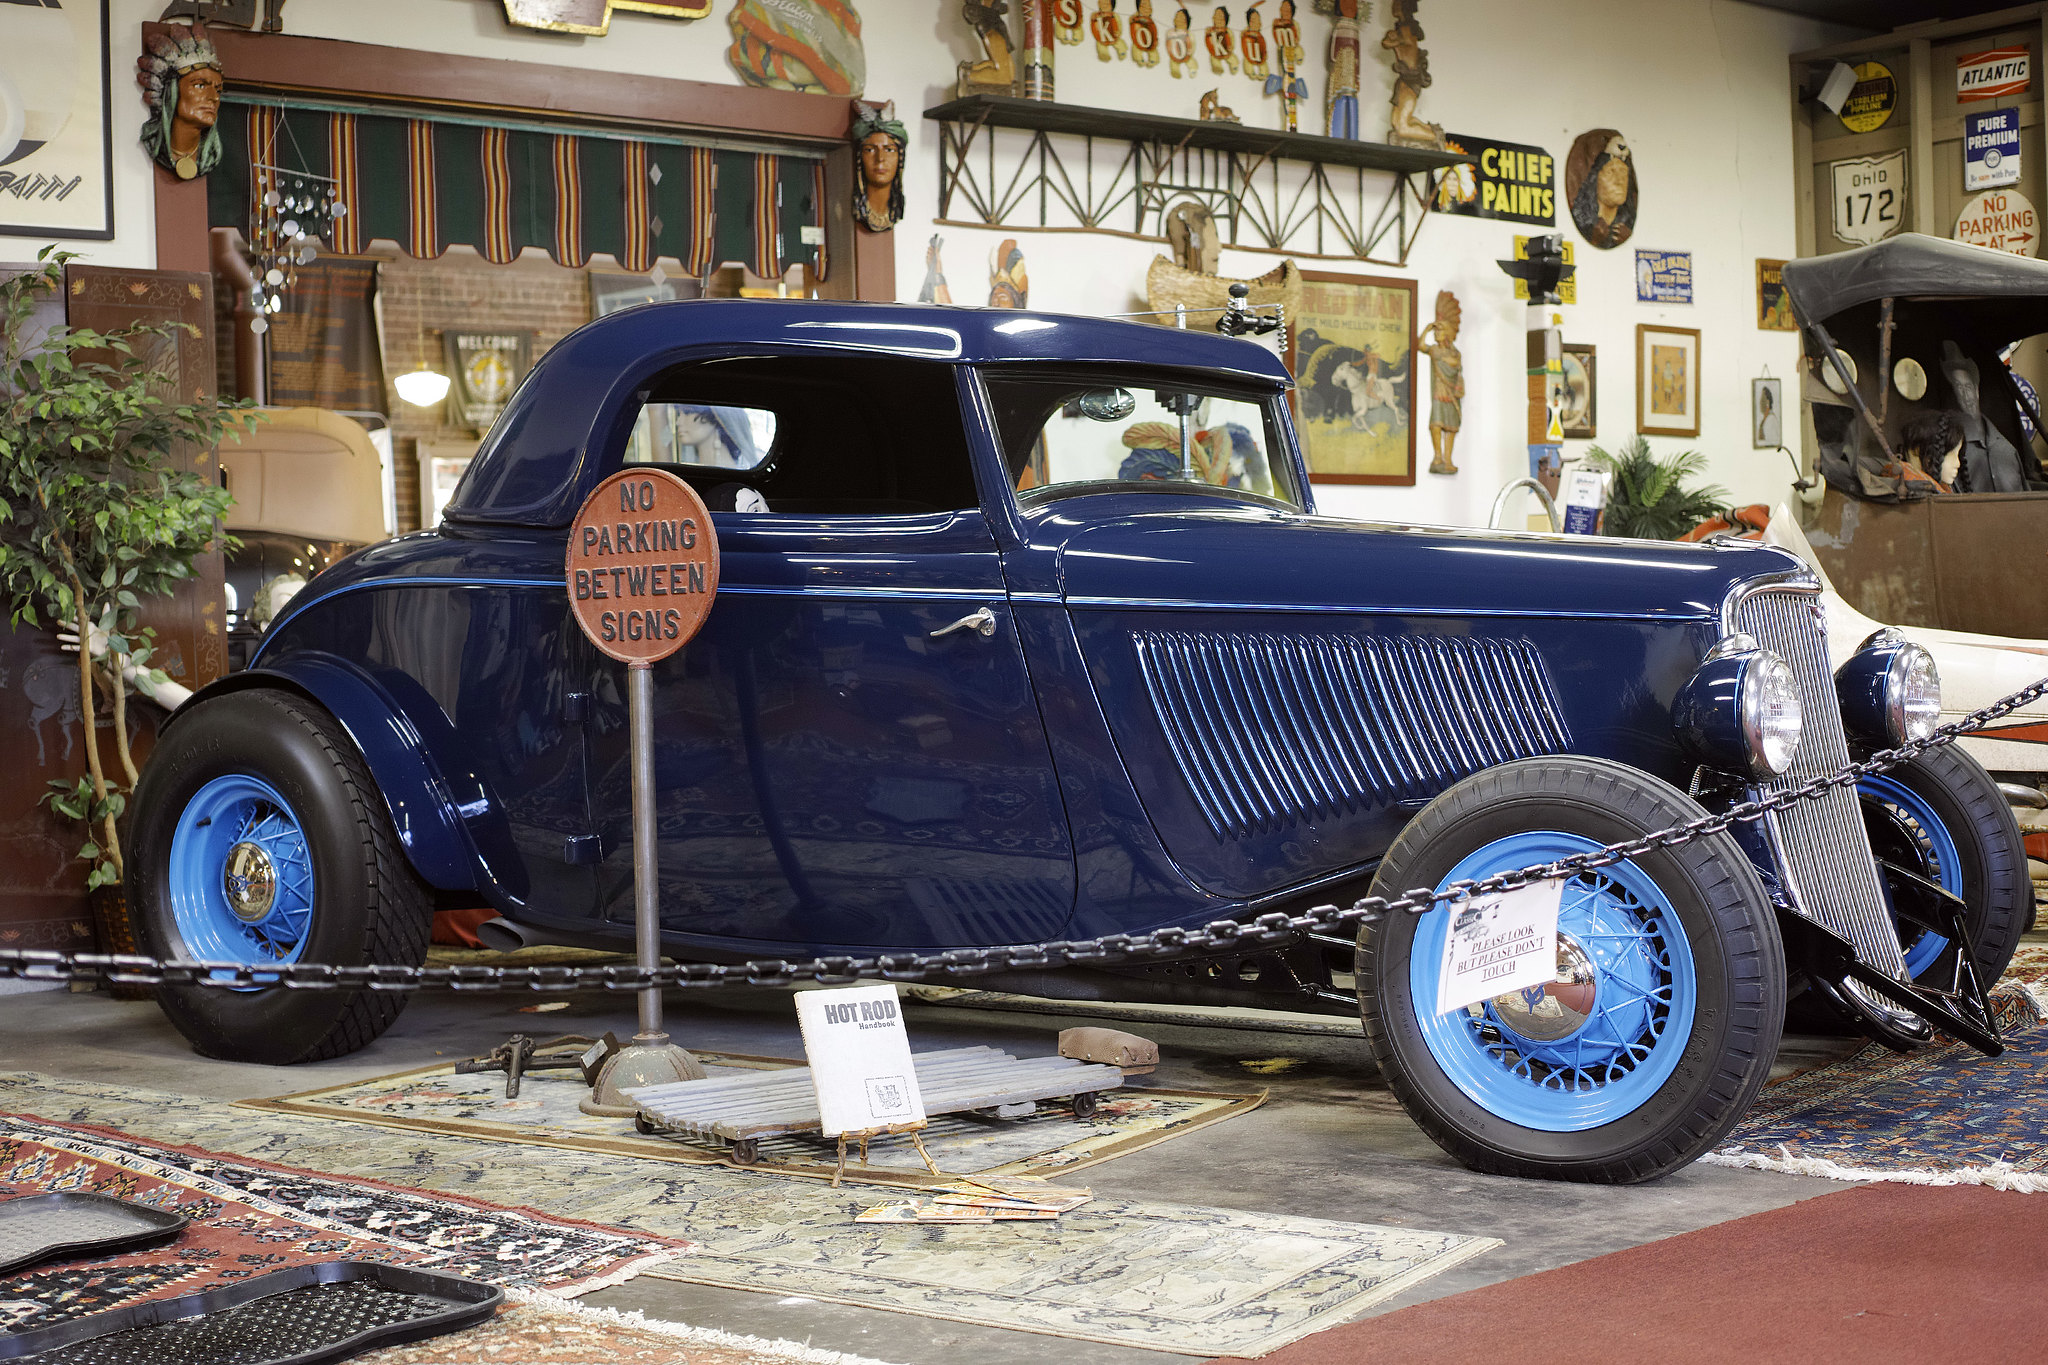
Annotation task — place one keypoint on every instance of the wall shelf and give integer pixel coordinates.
(1324, 210)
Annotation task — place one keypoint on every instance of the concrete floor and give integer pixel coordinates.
(1330, 1143)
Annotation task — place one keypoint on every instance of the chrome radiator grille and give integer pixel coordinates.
(1822, 841)
(1276, 730)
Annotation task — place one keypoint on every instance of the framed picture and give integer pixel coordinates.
(1352, 349)
(56, 132)
(1667, 380)
(1766, 413)
(1773, 304)
(1581, 406)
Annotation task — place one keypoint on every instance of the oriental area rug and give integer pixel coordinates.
(1160, 1277)
(1051, 1141)
(253, 1217)
(539, 1329)
(1943, 1115)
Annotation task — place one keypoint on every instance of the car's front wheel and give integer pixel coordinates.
(1940, 815)
(258, 837)
(1664, 1017)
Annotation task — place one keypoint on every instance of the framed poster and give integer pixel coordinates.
(1766, 414)
(56, 138)
(1580, 410)
(1667, 380)
(1352, 350)
(1773, 304)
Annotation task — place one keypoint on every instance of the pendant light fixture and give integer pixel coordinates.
(423, 386)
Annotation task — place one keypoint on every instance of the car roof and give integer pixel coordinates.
(1909, 266)
(975, 336)
(524, 471)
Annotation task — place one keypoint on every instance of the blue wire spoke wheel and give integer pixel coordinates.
(1594, 1045)
(1658, 1021)
(1940, 860)
(241, 874)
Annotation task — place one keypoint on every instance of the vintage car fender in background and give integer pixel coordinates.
(1976, 670)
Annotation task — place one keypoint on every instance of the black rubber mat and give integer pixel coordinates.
(45, 1227)
(300, 1316)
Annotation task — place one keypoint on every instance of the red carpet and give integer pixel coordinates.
(1874, 1274)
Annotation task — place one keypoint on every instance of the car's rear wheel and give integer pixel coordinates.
(1635, 1060)
(1942, 816)
(258, 837)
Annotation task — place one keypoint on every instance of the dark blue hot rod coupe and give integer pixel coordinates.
(1028, 628)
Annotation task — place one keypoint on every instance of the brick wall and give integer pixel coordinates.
(460, 292)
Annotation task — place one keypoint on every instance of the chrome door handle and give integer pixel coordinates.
(981, 622)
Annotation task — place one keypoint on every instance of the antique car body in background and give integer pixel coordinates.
(1027, 628)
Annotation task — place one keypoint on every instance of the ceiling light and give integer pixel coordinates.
(422, 387)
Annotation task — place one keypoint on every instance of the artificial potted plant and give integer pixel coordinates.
(97, 513)
(1647, 497)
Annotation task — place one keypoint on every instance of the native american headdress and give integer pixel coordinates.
(158, 70)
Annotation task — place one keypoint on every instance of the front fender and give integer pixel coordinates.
(454, 834)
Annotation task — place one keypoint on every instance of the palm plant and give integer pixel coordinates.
(1646, 496)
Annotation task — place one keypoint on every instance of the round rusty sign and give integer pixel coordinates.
(643, 565)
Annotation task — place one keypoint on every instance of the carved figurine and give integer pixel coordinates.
(934, 289)
(1180, 46)
(878, 142)
(1212, 111)
(1035, 81)
(1411, 77)
(996, 72)
(1286, 81)
(227, 13)
(1108, 31)
(1251, 44)
(1344, 51)
(1144, 36)
(1446, 380)
(1068, 19)
(1221, 42)
(1287, 36)
(1008, 287)
(181, 83)
(1191, 232)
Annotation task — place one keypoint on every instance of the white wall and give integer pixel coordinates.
(1698, 87)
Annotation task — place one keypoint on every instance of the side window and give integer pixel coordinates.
(841, 434)
(1108, 431)
(701, 434)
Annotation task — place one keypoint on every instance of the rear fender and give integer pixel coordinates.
(454, 834)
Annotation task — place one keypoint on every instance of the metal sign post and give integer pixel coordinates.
(642, 572)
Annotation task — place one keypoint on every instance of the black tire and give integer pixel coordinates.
(367, 904)
(1991, 858)
(1737, 991)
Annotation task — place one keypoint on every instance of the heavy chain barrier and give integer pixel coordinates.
(1159, 944)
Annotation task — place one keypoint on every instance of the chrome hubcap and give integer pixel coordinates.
(249, 881)
(1560, 1007)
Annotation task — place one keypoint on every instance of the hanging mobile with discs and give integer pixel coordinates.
(642, 572)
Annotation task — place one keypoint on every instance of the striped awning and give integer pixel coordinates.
(429, 184)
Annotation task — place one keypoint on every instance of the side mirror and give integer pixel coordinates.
(1107, 405)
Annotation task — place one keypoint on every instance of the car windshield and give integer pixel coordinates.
(1067, 434)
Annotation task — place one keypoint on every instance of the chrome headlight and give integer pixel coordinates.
(1890, 690)
(1740, 713)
